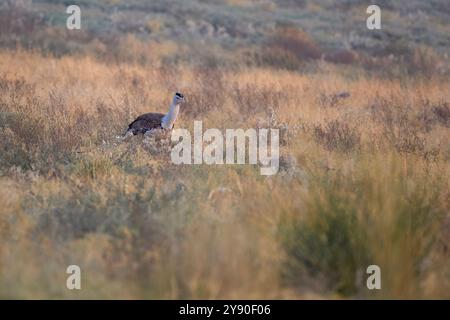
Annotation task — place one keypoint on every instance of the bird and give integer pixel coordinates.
(148, 122)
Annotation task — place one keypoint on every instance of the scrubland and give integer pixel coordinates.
(363, 180)
(364, 169)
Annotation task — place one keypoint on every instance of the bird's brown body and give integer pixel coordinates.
(146, 122)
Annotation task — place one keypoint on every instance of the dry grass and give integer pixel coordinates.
(363, 189)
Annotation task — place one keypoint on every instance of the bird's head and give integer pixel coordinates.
(178, 98)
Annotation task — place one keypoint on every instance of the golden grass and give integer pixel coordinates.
(140, 227)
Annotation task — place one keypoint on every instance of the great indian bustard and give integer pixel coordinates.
(150, 122)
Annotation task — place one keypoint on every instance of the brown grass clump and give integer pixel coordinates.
(289, 48)
(337, 136)
(342, 56)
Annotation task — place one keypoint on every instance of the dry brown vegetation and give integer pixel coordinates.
(364, 179)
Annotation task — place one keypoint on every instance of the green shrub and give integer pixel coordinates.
(374, 215)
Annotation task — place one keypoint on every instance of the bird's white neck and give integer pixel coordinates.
(169, 119)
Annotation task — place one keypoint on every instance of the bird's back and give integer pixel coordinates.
(146, 122)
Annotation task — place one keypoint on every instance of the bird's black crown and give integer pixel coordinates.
(179, 95)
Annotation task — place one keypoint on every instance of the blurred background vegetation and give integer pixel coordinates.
(280, 33)
(364, 118)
